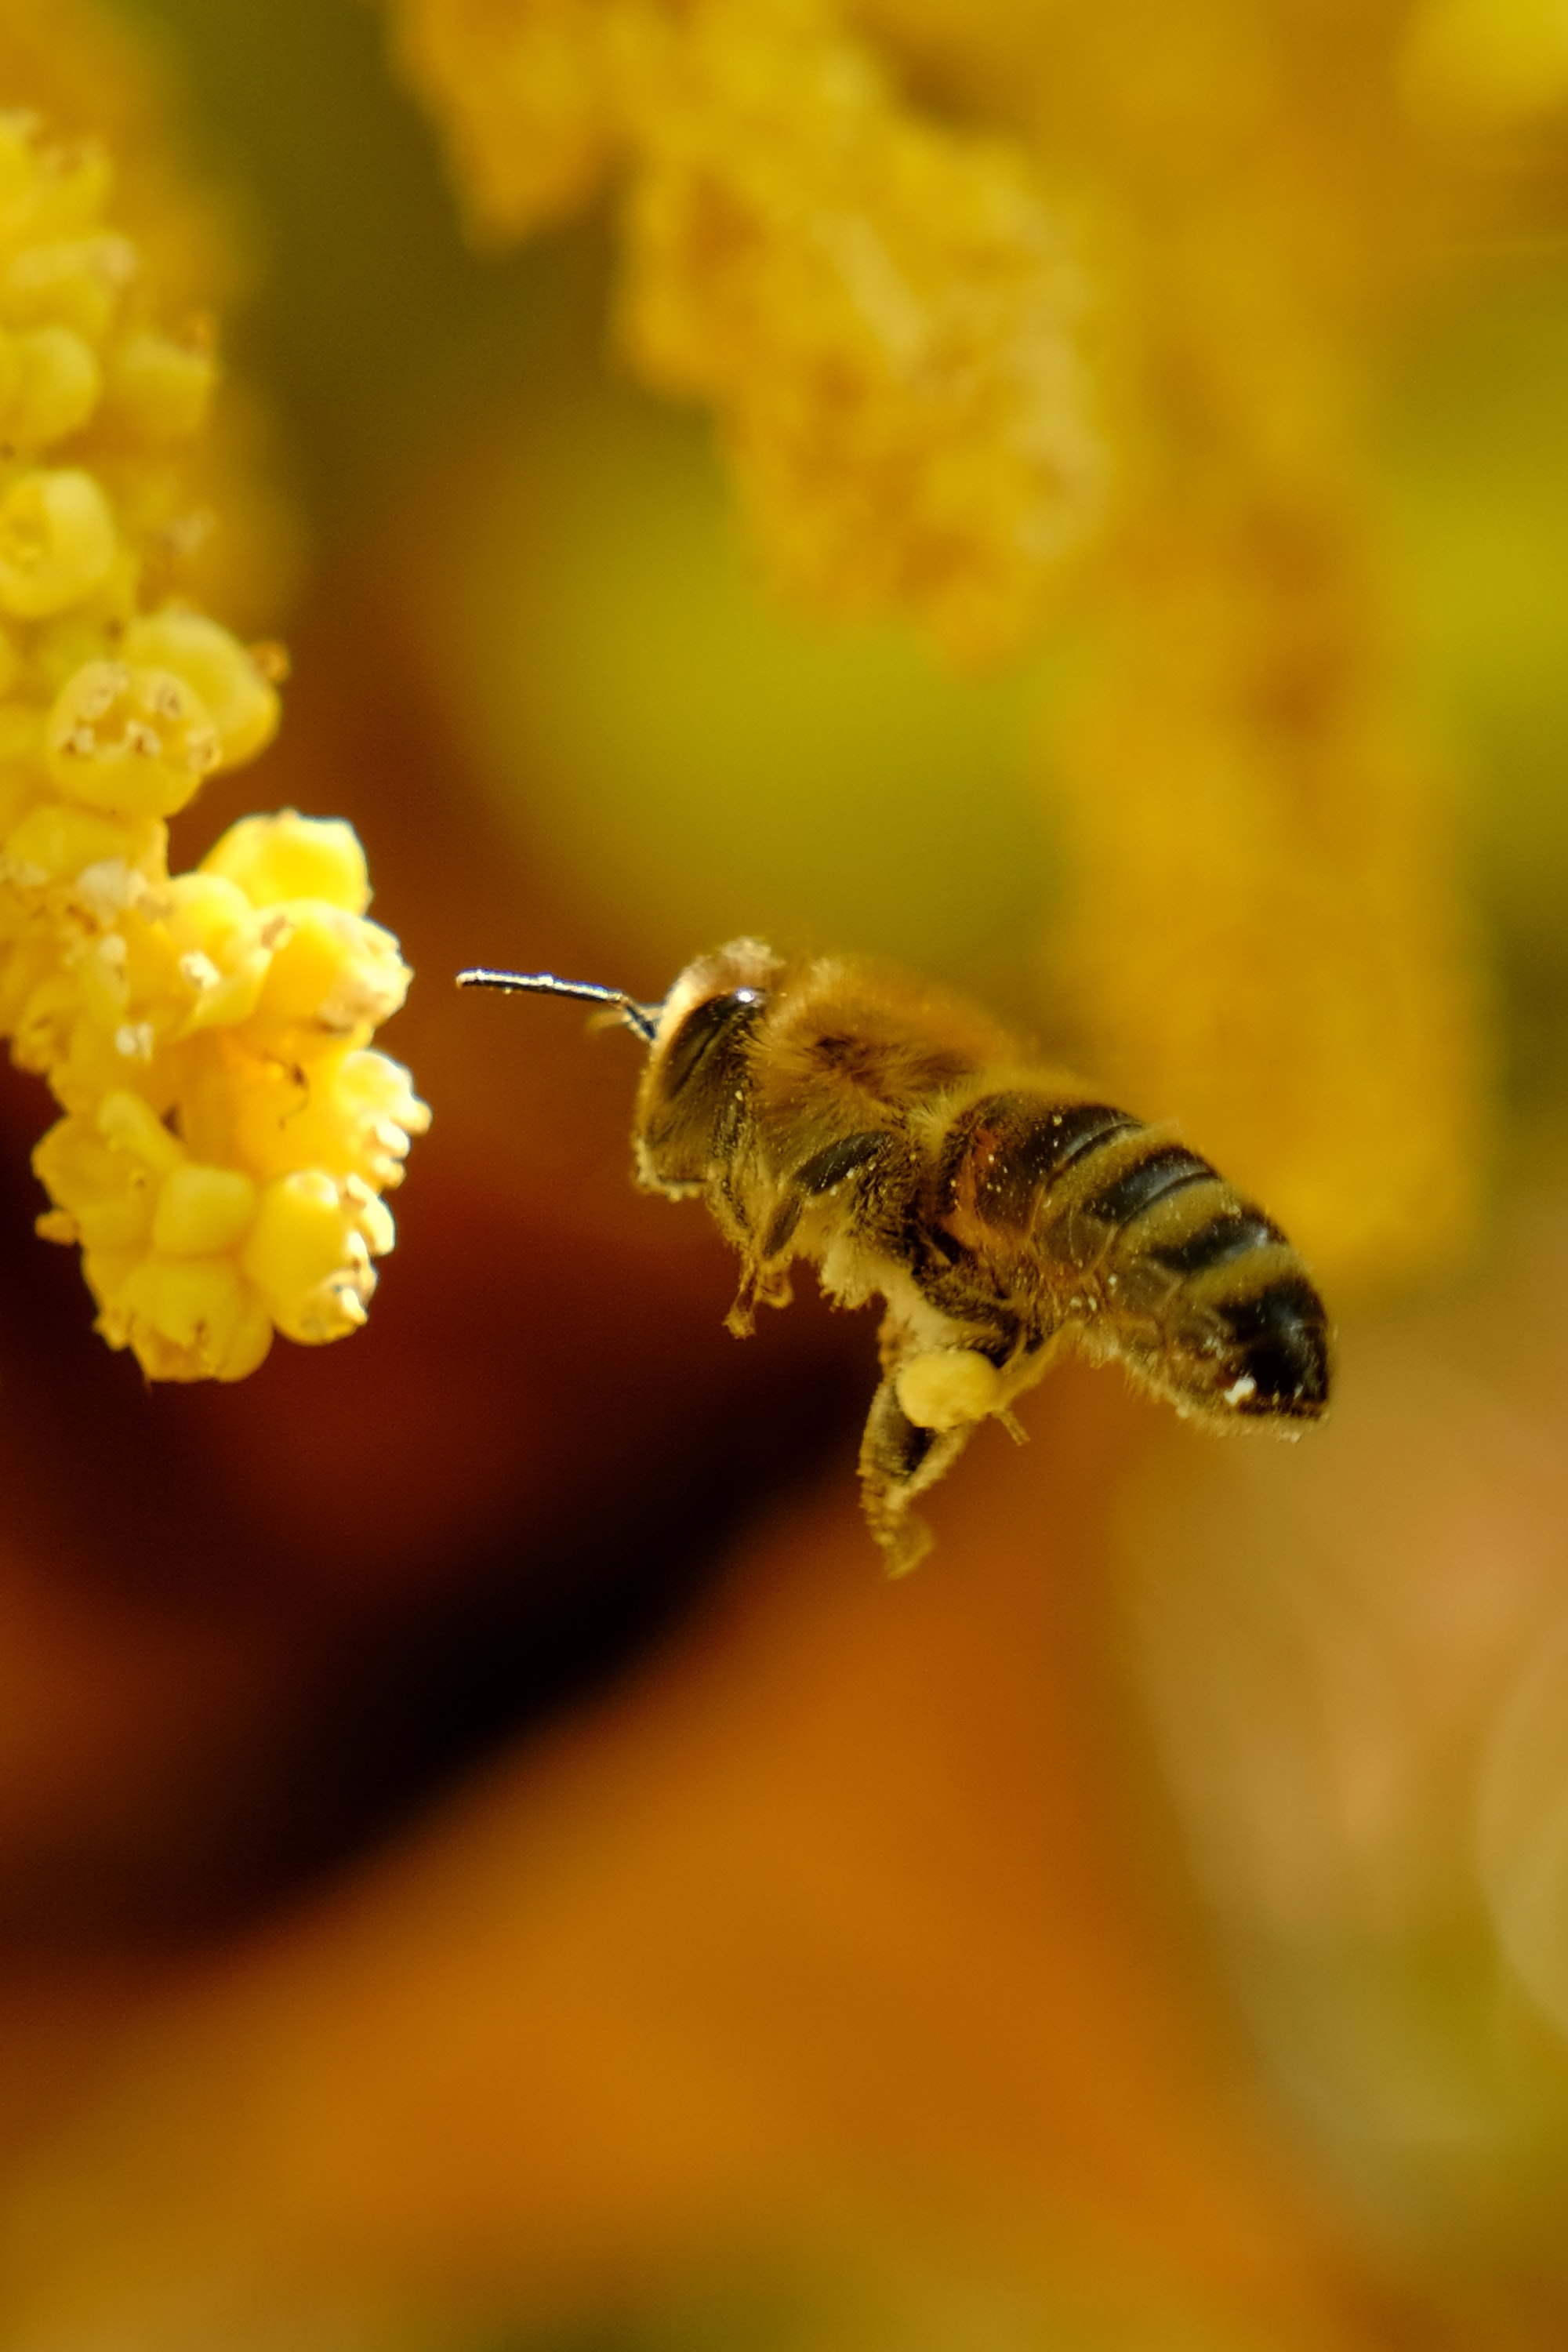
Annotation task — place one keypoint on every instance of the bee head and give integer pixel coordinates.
(696, 1073)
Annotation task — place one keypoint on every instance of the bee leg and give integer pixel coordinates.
(760, 1286)
(899, 1460)
(764, 1270)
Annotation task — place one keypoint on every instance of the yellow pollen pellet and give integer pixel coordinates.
(58, 542)
(948, 1388)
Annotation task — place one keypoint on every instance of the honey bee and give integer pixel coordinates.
(889, 1135)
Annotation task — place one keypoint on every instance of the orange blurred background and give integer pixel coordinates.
(486, 1862)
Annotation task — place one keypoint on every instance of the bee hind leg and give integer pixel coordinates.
(899, 1460)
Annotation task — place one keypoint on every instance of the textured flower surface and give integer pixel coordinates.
(227, 1133)
(882, 310)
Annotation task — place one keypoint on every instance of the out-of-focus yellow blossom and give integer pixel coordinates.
(881, 309)
(227, 1131)
(527, 101)
(1261, 932)
(1264, 937)
(1478, 64)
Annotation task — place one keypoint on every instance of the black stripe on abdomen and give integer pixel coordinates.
(1024, 1146)
(1230, 1235)
(1169, 1169)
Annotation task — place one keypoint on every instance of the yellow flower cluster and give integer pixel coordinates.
(228, 1132)
(881, 311)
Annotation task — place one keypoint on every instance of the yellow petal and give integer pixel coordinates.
(293, 857)
(306, 1259)
(200, 1211)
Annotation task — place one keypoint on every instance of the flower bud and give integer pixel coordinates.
(293, 857)
(308, 1258)
(188, 1319)
(58, 542)
(156, 389)
(49, 385)
(76, 282)
(240, 702)
(129, 739)
(334, 979)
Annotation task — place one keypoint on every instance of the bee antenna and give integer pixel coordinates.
(642, 1018)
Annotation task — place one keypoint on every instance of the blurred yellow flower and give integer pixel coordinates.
(1261, 933)
(227, 1131)
(882, 311)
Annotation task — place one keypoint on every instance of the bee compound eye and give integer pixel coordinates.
(948, 1388)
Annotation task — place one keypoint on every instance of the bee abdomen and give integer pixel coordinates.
(1159, 1172)
(1195, 1288)
(1237, 1326)
(1007, 1151)
(1232, 1232)
(1277, 1361)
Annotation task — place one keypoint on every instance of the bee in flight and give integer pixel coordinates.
(831, 1111)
